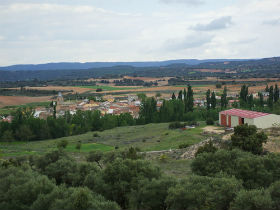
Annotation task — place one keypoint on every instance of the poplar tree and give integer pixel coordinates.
(180, 95)
(261, 101)
(190, 99)
(276, 93)
(224, 101)
(208, 99)
(270, 97)
(213, 100)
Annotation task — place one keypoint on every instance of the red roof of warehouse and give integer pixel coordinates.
(244, 113)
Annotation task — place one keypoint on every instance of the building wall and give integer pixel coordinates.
(266, 121)
(249, 121)
(234, 121)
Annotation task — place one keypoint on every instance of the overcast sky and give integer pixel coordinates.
(41, 31)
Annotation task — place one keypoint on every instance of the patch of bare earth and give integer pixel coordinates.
(19, 100)
(61, 88)
(213, 130)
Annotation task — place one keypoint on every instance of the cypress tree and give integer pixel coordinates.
(173, 96)
(213, 100)
(261, 101)
(190, 99)
(224, 101)
(251, 101)
(270, 97)
(276, 93)
(185, 93)
(208, 99)
(180, 95)
(266, 88)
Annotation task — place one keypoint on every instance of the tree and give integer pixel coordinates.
(261, 100)
(267, 89)
(173, 96)
(270, 98)
(7, 136)
(252, 200)
(246, 138)
(199, 192)
(121, 177)
(189, 100)
(208, 99)
(180, 95)
(151, 195)
(158, 95)
(251, 101)
(78, 145)
(95, 156)
(276, 93)
(243, 95)
(218, 85)
(208, 147)
(62, 144)
(224, 101)
(141, 96)
(185, 93)
(24, 133)
(213, 100)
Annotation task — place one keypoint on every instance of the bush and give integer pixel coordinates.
(96, 135)
(175, 125)
(62, 144)
(99, 90)
(218, 85)
(210, 121)
(208, 147)
(184, 145)
(246, 138)
(78, 145)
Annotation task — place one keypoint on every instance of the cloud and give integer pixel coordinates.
(191, 41)
(189, 2)
(272, 22)
(216, 24)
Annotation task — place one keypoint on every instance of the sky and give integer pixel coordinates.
(43, 31)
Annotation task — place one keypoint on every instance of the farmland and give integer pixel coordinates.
(19, 100)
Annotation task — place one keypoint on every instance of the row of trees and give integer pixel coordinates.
(180, 108)
(25, 127)
(247, 100)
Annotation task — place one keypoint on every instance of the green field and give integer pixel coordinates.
(10, 109)
(109, 88)
(151, 137)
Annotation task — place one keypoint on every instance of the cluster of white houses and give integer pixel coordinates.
(233, 117)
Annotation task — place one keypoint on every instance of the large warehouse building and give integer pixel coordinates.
(234, 117)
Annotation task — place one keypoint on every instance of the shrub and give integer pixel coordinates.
(175, 125)
(218, 85)
(208, 147)
(96, 135)
(210, 121)
(246, 138)
(184, 145)
(62, 144)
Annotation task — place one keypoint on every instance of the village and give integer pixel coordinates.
(110, 104)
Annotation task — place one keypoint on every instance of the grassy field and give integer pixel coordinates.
(152, 137)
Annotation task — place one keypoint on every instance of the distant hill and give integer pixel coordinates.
(89, 65)
(190, 69)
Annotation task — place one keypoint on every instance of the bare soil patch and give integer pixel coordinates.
(19, 100)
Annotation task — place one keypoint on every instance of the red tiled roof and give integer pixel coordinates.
(244, 113)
